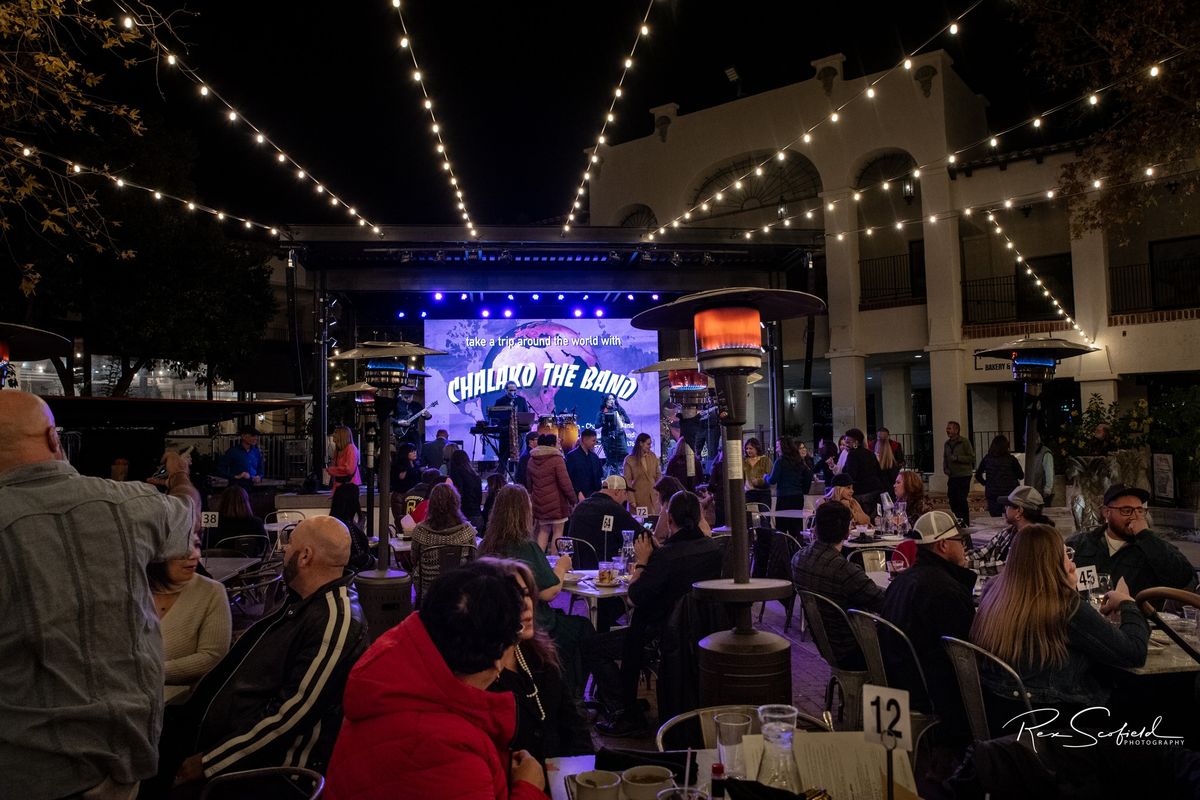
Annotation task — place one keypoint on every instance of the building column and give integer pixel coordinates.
(897, 400)
(943, 292)
(849, 382)
(1089, 274)
(846, 362)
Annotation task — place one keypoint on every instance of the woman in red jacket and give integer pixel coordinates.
(550, 490)
(344, 468)
(419, 721)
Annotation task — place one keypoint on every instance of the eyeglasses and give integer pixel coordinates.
(1128, 511)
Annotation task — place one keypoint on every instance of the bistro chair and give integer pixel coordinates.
(262, 588)
(267, 783)
(965, 658)
(702, 719)
(879, 559)
(866, 630)
(781, 548)
(439, 560)
(221, 552)
(1148, 601)
(284, 516)
(580, 547)
(849, 682)
(247, 546)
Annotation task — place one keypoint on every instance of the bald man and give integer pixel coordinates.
(81, 671)
(276, 698)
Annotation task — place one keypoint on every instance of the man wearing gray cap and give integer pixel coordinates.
(1022, 508)
(927, 601)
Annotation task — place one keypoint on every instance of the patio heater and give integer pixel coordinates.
(1034, 362)
(22, 343)
(742, 665)
(385, 594)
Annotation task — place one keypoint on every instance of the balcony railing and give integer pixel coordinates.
(1158, 286)
(1005, 299)
(890, 281)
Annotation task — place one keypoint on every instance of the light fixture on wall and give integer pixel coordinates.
(908, 189)
(792, 397)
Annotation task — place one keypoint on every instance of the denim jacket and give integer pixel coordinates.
(1093, 643)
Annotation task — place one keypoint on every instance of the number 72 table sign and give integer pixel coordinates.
(885, 717)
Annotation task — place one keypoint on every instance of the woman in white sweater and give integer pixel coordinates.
(194, 618)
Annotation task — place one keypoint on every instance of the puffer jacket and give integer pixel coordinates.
(414, 730)
(549, 484)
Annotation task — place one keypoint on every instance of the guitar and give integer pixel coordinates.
(402, 425)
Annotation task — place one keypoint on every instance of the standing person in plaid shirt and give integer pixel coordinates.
(1022, 508)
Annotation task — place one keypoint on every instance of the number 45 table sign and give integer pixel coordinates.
(886, 720)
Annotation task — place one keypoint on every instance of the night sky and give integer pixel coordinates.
(519, 87)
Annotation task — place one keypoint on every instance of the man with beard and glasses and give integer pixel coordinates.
(276, 698)
(1125, 547)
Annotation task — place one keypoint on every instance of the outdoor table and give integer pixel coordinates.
(591, 593)
(557, 770)
(787, 513)
(1165, 659)
(222, 569)
(882, 541)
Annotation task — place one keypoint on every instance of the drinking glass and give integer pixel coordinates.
(778, 765)
(566, 547)
(607, 574)
(778, 713)
(679, 793)
(1191, 630)
(731, 727)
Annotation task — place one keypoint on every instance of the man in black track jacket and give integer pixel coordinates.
(276, 698)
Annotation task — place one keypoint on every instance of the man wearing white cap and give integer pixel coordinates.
(600, 519)
(929, 600)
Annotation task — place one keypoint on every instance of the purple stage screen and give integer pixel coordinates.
(563, 366)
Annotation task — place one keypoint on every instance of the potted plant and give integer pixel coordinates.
(1178, 433)
(1105, 444)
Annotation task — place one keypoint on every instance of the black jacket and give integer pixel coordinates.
(688, 556)
(863, 469)
(564, 732)
(586, 470)
(470, 491)
(433, 454)
(276, 698)
(927, 601)
(999, 475)
(1147, 561)
(587, 522)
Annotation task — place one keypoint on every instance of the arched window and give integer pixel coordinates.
(784, 186)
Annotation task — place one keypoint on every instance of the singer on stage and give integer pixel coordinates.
(611, 422)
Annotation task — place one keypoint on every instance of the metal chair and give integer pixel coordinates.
(849, 682)
(284, 516)
(263, 587)
(579, 546)
(708, 728)
(779, 565)
(220, 552)
(247, 546)
(965, 656)
(283, 782)
(879, 559)
(430, 562)
(866, 630)
(1146, 602)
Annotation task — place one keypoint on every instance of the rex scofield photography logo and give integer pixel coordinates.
(1088, 727)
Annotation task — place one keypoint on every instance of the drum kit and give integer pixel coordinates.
(564, 426)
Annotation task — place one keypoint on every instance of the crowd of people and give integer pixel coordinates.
(131, 683)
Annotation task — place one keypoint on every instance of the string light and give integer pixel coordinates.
(435, 126)
(991, 139)
(835, 116)
(75, 168)
(627, 65)
(206, 90)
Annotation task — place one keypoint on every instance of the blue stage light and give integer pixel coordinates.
(599, 312)
(653, 297)
(560, 297)
(585, 297)
(507, 312)
(437, 295)
(578, 312)
(424, 314)
(537, 297)
(462, 296)
(510, 297)
(485, 313)
(400, 314)
(628, 297)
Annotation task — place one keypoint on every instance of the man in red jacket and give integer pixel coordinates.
(420, 722)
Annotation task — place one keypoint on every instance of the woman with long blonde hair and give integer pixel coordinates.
(1032, 617)
(344, 468)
